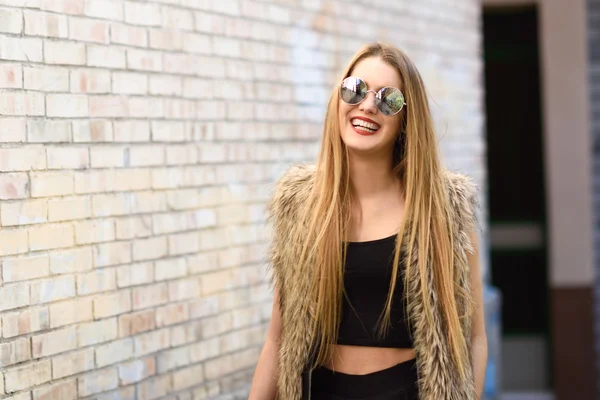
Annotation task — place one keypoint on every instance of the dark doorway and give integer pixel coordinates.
(516, 194)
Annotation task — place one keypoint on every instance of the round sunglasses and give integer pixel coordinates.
(389, 100)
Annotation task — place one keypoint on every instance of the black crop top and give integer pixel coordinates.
(367, 276)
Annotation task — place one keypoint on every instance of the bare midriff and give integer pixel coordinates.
(362, 360)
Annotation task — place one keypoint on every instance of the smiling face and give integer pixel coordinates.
(363, 128)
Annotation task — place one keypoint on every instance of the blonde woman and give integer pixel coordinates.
(374, 254)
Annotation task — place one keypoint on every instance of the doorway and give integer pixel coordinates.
(517, 207)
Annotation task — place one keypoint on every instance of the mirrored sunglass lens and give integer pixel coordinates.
(353, 90)
(391, 101)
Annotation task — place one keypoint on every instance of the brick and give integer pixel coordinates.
(25, 268)
(55, 342)
(144, 60)
(100, 9)
(46, 184)
(167, 179)
(171, 314)
(173, 358)
(184, 243)
(45, 131)
(94, 231)
(11, 76)
(97, 332)
(90, 81)
(66, 105)
(22, 159)
(151, 342)
(111, 204)
(182, 109)
(26, 376)
(94, 182)
(184, 289)
(108, 106)
(112, 254)
(112, 304)
(24, 212)
(166, 39)
(209, 23)
(183, 199)
(54, 289)
(128, 35)
(72, 363)
(70, 312)
(177, 19)
(145, 156)
(65, 390)
(20, 49)
(168, 131)
(67, 209)
(132, 324)
(108, 157)
(71, 261)
(92, 131)
(20, 396)
(14, 352)
(98, 381)
(67, 157)
(47, 79)
(97, 281)
(142, 14)
(18, 104)
(13, 129)
(25, 322)
(74, 7)
(145, 107)
(181, 154)
(154, 388)
(127, 393)
(137, 370)
(13, 241)
(135, 274)
(149, 249)
(129, 83)
(64, 53)
(89, 30)
(170, 269)
(114, 352)
(197, 88)
(133, 227)
(11, 20)
(149, 296)
(132, 131)
(165, 85)
(187, 377)
(134, 179)
(45, 24)
(51, 236)
(105, 56)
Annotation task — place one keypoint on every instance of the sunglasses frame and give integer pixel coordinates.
(377, 95)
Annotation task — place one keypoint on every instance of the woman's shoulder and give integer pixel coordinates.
(292, 188)
(460, 185)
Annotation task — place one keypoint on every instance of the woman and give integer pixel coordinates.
(374, 254)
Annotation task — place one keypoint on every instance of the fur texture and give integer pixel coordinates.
(438, 379)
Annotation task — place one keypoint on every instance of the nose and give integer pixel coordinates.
(368, 104)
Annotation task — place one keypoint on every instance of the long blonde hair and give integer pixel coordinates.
(427, 218)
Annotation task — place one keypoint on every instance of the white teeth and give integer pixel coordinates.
(359, 122)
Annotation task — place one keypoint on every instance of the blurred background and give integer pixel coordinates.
(140, 140)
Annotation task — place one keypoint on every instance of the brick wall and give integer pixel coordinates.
(139, 141)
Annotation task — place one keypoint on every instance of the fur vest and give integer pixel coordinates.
(438, 380)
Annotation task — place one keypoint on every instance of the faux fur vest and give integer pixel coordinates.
(438, 379)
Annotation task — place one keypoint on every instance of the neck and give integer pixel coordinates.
(370, 177)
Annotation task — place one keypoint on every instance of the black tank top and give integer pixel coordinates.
(367, 276)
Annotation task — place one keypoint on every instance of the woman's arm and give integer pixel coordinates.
(264, 384)
(479, 347)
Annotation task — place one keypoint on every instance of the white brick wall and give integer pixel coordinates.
(139, 141)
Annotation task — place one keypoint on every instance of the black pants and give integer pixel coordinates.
(396, 383)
